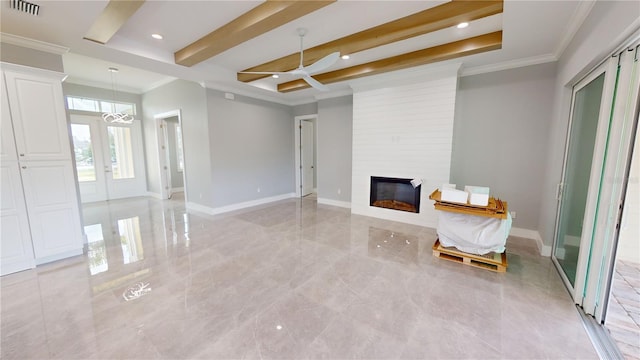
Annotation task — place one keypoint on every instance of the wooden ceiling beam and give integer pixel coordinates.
(111, 19)
(426, 21)
(470, 46)
(257, 21)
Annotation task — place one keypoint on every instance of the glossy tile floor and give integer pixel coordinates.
(289, 280)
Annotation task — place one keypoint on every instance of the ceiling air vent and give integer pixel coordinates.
(25, 6)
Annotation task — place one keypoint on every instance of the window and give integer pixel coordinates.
(179, 153)
(93, 105)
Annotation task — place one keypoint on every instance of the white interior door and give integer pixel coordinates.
(306, 155)
(109, 159)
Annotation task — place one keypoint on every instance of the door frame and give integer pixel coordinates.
(297, 148)
(163, 150)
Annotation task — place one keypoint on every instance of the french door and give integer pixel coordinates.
(109, 159)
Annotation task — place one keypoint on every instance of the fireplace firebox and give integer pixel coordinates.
(395, 193)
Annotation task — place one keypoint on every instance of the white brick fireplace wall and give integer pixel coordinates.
(405, 131)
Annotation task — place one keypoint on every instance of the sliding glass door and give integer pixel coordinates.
(575, 190)
(604, 115)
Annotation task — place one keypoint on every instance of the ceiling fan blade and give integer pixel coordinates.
(315, 83)
(323, 63)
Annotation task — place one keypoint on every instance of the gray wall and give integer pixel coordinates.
(500, 136)
(305, 109)
(29, 57)
(606, 26)
(335, 135)
(251, 148)
(190, 98)
(176, 175)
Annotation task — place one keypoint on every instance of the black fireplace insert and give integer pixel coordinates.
(395, 193)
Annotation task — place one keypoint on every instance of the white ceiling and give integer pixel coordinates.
(533, 32)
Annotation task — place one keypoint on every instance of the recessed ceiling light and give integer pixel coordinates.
(345, 57)
(157, 36)
(275, 76)
(462, 25)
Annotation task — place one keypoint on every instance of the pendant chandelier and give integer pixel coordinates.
(116, 117)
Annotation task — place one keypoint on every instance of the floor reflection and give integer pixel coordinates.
(131, 240)
(393, 246)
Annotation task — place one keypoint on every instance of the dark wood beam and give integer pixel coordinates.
(426, 21)
(111, 19)
(257, 21)
(470, 46)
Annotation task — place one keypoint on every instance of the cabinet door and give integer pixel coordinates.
(7, 143)
(16, 250)
(52, 205)
(38, 116)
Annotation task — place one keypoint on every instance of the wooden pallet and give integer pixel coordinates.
(493, 261)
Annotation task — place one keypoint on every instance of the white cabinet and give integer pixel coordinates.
(16, 248)
(39, 116)
(40, 213)
(50, 193)
(7, 142)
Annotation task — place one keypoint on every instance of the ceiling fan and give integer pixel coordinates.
(305, 71)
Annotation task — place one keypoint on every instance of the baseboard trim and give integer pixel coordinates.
(177, 189)
(238, 206)
(543, 249)
(338, 203)
(154, 195)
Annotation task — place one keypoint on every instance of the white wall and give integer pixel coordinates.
(190, 98)
(629, 240)
(404, 131)
(252, 152)
(500, 136)
(606, 27)
(334, 126)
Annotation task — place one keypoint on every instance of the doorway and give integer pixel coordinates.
(109, 159)
(171, 157)
(306, 160)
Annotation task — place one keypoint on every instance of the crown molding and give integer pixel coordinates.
(506, 65)
(33, 44)
(236, 91)
(405, 77)
(577, 19)
(334, 94)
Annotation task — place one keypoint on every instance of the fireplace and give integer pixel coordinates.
(394, 193)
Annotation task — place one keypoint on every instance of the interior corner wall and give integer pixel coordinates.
(252, 149)
(403, 132)
(500, 136)
(607, 25)
(190, 99)
(30, 57)
(334, 143)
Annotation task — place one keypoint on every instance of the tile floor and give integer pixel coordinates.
(623, 314)
(289, 280)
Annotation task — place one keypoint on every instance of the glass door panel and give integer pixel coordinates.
(121, 151)
(83, 148)
(87, 146)
(575, 186)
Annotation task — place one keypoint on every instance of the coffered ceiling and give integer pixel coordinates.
(213, 42)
